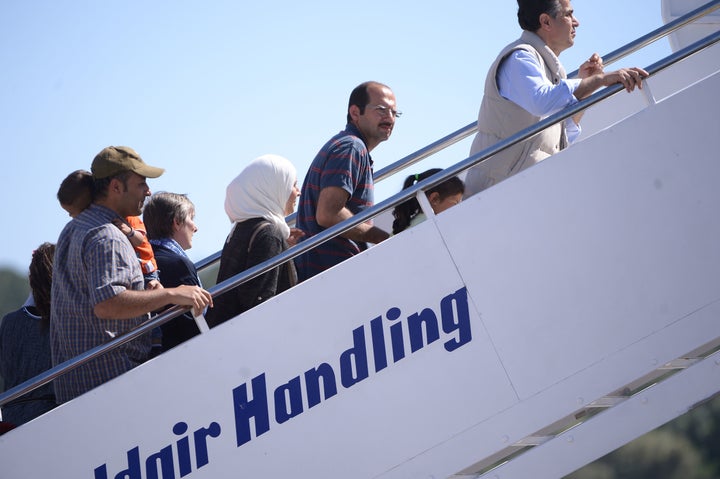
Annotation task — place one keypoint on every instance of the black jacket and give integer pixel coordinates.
(175, 270)
(250, 243)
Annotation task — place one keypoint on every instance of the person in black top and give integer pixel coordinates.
(256, 202)
(170, 222)
(25, 344)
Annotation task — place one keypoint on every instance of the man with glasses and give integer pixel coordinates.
(527, 83)
(339, 182)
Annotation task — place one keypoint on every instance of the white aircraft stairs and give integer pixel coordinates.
(531, 329)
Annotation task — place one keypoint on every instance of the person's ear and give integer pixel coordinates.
(115, 185)
(544, 21)
(354, 112)
(434, 198)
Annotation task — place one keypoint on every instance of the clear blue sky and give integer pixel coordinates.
(202, 88)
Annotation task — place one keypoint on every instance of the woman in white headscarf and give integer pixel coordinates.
(257, 202)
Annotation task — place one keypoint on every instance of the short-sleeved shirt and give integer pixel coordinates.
(345, 162)
(94, 262)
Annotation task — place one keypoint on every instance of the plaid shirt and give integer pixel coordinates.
(344, 162)
(94, 262)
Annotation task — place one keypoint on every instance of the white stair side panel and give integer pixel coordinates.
(596, 247)
(564, 398)
(409, 406)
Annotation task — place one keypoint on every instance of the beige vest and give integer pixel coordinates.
(500, 118)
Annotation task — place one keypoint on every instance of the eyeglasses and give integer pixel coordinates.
(385, 111)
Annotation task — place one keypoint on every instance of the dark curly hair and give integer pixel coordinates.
(41, 268)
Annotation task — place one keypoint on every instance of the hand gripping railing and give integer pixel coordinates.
(366, 215)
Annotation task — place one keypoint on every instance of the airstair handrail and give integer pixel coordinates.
(361, 217)
(658, 33)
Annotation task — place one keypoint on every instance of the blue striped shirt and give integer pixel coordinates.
(345, 162)
(94, 262)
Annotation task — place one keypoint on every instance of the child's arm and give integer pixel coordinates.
(136, 237)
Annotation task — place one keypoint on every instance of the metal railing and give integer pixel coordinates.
(396, 199)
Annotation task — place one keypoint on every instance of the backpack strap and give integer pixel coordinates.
(256, 230)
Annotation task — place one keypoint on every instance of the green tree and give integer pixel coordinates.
(208, 276)
(660, 454)
(685, 448)
(14, 290)
(701, 426)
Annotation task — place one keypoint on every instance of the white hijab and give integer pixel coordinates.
(262, 189)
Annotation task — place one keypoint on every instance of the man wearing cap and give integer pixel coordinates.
(98, 289)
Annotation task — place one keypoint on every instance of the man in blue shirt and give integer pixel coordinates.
(339, 182)
(527, 83)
